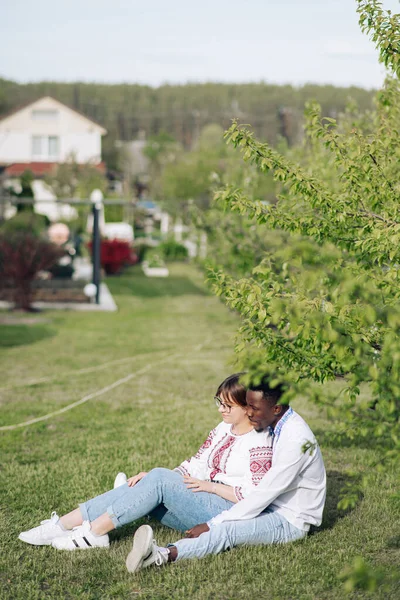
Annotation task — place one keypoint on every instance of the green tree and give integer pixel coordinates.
(162, 150)
(73, 180)
(327, 308)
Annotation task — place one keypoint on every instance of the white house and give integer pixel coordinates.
(39, 136)
(47, 131)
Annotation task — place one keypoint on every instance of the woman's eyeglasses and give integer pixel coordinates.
(219, 404)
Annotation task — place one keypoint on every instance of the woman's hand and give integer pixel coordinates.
(198, 485)
(133, 480)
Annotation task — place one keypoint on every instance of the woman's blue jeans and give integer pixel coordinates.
(268, 528)
(161, 494)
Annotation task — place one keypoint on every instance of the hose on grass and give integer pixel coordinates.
(95, 394)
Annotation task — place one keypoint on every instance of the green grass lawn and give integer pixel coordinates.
(178, 341)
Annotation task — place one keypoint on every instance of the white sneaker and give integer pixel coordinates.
(120, 479)
(145, 551)
(81, 538)
(45, 533)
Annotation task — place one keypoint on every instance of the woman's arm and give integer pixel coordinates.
(196, 466)
(220, 489)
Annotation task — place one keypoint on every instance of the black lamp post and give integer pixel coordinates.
(96, 198)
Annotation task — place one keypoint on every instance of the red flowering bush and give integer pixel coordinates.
(116, 254)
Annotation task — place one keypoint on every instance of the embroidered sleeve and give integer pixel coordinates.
(205, 445)
(260, 463)
(197, 465)
(238, 492)
(182, 470)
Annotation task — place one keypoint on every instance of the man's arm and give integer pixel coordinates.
(286, 466)
(194, 532)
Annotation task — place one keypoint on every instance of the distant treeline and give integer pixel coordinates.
(125, 110)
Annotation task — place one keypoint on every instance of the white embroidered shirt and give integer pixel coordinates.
(240, 461)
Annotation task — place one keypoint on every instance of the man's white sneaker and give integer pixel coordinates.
(120, 479)
(145, 551)
(45, 533)
(81, 538)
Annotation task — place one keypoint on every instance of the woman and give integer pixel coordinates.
(219, 474)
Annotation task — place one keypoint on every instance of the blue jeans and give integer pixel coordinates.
(161, 494)
(268, 528)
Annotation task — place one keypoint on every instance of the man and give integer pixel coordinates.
(287, 500)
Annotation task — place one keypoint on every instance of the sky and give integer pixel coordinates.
(178, 41)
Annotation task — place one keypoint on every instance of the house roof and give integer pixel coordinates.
(38, 168)
(32, 102)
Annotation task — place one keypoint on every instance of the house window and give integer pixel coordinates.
(45, 147)
(36, 146)
(53, 146)
(44, 115)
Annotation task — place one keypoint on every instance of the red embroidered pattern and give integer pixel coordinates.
(238, 492)
(182, 470)
(206, 444)
(260, 462)
(219, 456)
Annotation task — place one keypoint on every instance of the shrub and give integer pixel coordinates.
(154, 258)
(22, 256)
(142, 247)
(172, 250)
(115, 254)
(26, 222)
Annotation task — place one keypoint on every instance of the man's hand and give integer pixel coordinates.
(133, 480)
(197, 530)
(198, 485)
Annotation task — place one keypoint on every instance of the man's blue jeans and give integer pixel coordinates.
(268, 528)
(161, 494)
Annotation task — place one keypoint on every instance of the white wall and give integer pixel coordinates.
(85, 146)
(15, 146)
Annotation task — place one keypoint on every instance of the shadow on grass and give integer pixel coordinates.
(335, 482)
(20, 335)
(145, 287)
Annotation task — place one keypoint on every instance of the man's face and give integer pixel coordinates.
(260, 412)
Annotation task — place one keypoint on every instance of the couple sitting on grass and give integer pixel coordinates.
(259, 478)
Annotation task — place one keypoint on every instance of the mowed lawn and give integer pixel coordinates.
(176, 340)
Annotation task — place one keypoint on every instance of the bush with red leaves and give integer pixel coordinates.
(22, 256)
(116, 254)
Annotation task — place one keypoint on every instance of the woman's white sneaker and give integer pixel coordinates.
(145, 551)
(45, 532)
(120, 479)
(81, 538)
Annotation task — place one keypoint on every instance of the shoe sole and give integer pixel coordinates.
(84, 549)
(21, 537)
(142, 541)
(73, 547)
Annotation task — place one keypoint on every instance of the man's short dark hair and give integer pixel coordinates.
(270, 394)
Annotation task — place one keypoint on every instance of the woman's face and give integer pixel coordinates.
(232, 413)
